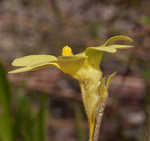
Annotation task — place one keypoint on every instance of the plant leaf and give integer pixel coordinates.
(6, 116)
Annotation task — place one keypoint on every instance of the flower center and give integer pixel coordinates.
(67, 51)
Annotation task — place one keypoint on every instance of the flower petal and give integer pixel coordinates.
(33, 60)
(32, 68)
(71, 58)
(23, 69)
(120, 46)
(70, 64)
(95, 54)
(101, 49)
(109, 79)
(117, 38)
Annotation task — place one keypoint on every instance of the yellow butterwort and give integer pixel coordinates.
(85, 67)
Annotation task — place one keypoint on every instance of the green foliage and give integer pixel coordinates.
(23, 122)
(146, 20)
(79, 120)
(6, 118)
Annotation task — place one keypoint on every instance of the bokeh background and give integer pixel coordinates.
(46, 105)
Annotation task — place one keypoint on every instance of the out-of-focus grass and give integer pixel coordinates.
(146, 20)
(81, 132)
(6, 117)
(22, 121)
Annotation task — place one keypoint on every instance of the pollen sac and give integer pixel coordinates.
(67, 51)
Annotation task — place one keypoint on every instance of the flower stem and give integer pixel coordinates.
(99, 121)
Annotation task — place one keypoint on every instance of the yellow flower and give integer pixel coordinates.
(84, 67)
(68, 62)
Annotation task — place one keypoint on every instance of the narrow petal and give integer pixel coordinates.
(109, 79)
(23, 69)
(117, 38)
(32, 68)
(33, 60)
(120, 46)
(101, 49)
(102, 89)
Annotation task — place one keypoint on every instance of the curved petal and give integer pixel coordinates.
(109, 79)
(32, 68)
(95, 54)
(117, 38)
(33, 60)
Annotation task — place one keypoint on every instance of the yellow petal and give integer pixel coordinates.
(102, 90)
(32, 68)
(70, 64)
(95, 54)
(67, 51)
(102, 49)
(117, 38)
(120, 46)
(109, 79)
(33, 60)
(24, 69)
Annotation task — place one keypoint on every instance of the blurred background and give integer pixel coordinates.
(46, 105)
